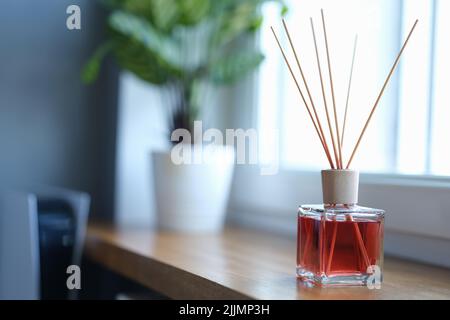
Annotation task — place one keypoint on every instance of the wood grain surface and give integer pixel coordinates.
(240, 264)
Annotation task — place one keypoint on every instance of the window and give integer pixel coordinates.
(409, 132)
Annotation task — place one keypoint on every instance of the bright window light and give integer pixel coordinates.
(440, 148)
(409, 132)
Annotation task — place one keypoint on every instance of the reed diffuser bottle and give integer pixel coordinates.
(339, 242)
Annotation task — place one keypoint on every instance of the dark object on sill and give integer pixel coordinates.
(56, 245)
(42, 233)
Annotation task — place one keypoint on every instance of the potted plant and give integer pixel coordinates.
(184, 46)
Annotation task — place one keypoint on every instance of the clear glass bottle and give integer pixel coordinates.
(340, 244)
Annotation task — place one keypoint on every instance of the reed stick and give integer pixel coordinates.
(355, 45)
(307, 245)
(323, 92)
(361, 245)
(394, 66)
(321, 245)
(301, 93)
(309, 92)
(332, 245)
(332, 91)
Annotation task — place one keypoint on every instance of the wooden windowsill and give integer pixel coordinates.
(240, 264)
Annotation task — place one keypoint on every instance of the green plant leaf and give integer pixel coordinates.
(234, 22)
(230, 68)
(91, 69)
(132, 55)
(284, 9)
(143, 32)
(237, 17)
(256, 22)
(165, 14)
(139, 7)
(218, 7)
(112, 4)
(193, 11)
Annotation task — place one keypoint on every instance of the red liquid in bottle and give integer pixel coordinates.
(333, 248)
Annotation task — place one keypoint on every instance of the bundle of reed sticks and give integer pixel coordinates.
(336, 132)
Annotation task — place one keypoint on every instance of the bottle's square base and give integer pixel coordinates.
(336, 280)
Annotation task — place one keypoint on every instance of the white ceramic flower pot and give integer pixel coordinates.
(193, 197)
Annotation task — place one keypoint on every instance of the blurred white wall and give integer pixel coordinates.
(140, 129)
